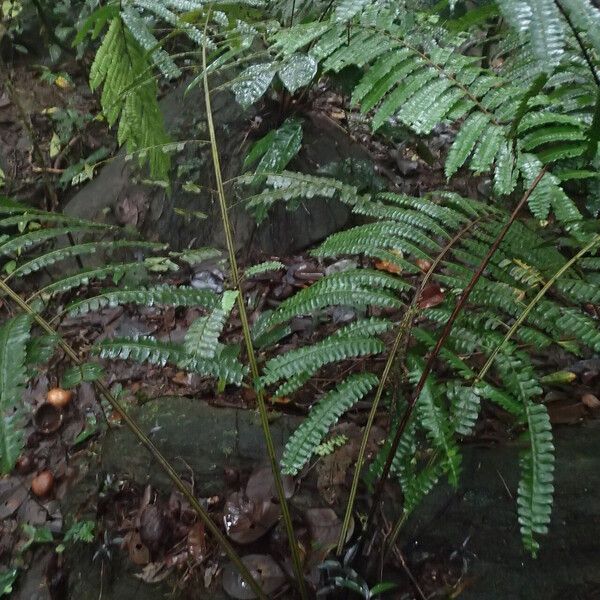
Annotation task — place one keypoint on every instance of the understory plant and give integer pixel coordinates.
(465, 281)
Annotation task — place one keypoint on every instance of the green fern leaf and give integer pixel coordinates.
(375, 76)
(292, 39)
(148, 349)
(303, 442)
(13, 343)
(465, 405)
(139, 30)
(161, 295)
(490, 142)
(435, 421)
(203, 335)
(73, 281)
(311, 358)
(275, 150)
(128, 94)
(61, 254)
(505, 178)
(401, 94)
(19, 243)
(75, 375)
(348, 9)
(465, 141)
(298, 71)
(264, 267)
(534, 501)
(252, 83)
(355, 287)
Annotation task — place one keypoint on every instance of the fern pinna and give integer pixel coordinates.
(403, 231)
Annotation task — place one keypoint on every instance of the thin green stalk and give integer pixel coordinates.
(145, 440)
(531, 305)
(260, 397)
(403, 330)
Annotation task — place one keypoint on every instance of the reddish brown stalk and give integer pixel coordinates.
(435, 352)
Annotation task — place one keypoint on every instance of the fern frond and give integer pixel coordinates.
(148, 349)
(534, 501)
(436, 422)
(540, 21)
(275, 150)
(77, 374)
(310, 359)
(145, 38)
(303, 442)
(13, 343)
(355, 287)
(70, 282)
(129, 94)
(464, 407)
(49, 258)
(19, 243)
(264, 267)
(161, 295)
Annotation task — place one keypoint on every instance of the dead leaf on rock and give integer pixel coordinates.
(138, 553)
(247, 520)
(590, 401)
(264, 569)
(13, 493)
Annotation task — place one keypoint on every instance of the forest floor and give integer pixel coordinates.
(152, 526)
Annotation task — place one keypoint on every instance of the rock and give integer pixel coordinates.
(480, 522)
(117, 195)
(231, 439)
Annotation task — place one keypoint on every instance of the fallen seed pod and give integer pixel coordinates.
(59, 397)
(42, 484)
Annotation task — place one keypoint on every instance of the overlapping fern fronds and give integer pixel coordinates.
(130, 52)
(405, 229)
(35, 246)
(418, 76)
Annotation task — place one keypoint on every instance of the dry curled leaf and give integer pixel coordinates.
(590, 401)
(247, 520)
(432, 295)
(264, 569)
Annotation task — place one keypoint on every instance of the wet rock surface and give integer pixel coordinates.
(117, 196)
(480, 524)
